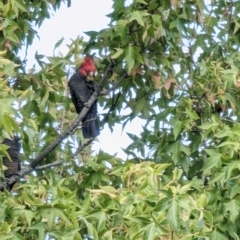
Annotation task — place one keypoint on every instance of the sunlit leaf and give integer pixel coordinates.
(118, 53)
(233, 208)
(6, 106)
(129, 55)
(172, 214)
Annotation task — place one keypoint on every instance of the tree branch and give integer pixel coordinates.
(116, 84)
(112, 108)
(81, 147)
(63, 135)
(114, 101)
(54, 164)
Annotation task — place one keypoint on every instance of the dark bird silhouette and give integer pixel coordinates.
(81, 90)
(14, 165)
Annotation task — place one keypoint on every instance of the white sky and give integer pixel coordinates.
(69, 23)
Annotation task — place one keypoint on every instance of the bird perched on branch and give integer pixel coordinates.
(81, 90)
(14, 165)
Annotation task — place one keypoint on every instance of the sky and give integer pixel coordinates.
(68, 23)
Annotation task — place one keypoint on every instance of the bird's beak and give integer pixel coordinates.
(91, 74)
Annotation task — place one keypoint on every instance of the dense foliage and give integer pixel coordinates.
(174, 64)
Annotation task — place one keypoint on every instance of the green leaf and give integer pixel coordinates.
(174, 148)
(10, 35)
(185, 150)
(141, 1)
(130, 58)
(118, 53)
(138, 57)
(8, 123)
(159, 168)
(177, 127)
(109, 234)
(32, 107)
(29, 216)
(219, 176)
(5, 61)
(216, 235)
(213, 161)
(156, 20)
(73, 234)
(33, 124)
(92, 34)
(164, 203)
(230, 144)
(24, 94)
(58, 44)
(202, 201)
(56, 235)
(10, 69)
(40, 227)
(138, 16)
(209, 125)
(209, 217)
(150, 231)
(21, 6)
(177, 173)
(7, 237)
(232, 206)
(223, 132)
(172, 214)
(101, 217)
(6, 106)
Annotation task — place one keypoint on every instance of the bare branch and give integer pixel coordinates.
(54, 164)
(81, 147)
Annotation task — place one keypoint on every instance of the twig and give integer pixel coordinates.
(198, 107)
(112, 108)
(63, 135)
(54, 164)
(81, 147)
(116, 84)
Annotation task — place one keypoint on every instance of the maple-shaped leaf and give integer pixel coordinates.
(6, 106)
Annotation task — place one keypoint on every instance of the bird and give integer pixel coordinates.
(14, 165)
(81, 90)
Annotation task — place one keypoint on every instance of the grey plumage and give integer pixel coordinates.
(81, 90)
(14, 152)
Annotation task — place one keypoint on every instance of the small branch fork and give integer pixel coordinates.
(81, 147)
(34, 164)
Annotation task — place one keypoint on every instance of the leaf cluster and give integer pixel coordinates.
(180, 61)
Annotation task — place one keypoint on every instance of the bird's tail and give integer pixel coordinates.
(90, 127)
